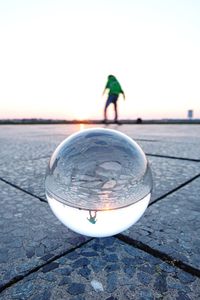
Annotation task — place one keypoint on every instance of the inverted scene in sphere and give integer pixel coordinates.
(98, 182)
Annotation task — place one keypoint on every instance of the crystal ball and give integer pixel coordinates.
(98, 182)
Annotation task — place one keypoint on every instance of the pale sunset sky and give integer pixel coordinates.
(55, 57)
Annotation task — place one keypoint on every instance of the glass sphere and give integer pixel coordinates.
(98, 182)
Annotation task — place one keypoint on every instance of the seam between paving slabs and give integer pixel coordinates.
(159, 254)
(22, 190)
(21, 277)
(174, 157)
(175, 189)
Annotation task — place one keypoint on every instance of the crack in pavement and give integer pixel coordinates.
(175, 189)
(22, 190)
(18, 278)
(173, 157)
(159, 254)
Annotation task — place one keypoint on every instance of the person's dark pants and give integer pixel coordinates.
(111, 99)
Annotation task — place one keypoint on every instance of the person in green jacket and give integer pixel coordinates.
(115, 90)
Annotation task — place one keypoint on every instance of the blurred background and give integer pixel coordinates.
(55, 57)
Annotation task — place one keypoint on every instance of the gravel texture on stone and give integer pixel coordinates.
(31, 237)
(30, 234)
(178, 149)
(173, 225)
(138, 276)
(168, 140)
(171, 133)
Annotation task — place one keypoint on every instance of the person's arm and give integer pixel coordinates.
(106, 88)
(123, 94)
(104, 91)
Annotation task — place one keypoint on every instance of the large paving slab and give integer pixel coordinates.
(179, 149)
(173, 225)
(23, 149)
(18, 151)
(29, 233)
(106, 269)
(31, 142)
(148, 132)
(170, 140)
(36, 131)
(162, 132)
(22, 143)
(168, 174)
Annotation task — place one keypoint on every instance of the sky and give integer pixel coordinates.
(55, 57)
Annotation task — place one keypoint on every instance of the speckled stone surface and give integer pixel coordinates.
(29, 233)
(24, 143)
(155, 132)
(178, 149)
(168, 140)
(173, 225)
(169, 174)
(42, 259)
(106, 269)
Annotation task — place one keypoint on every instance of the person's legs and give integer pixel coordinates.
(109, 100)
(115, 107)
(105, 110)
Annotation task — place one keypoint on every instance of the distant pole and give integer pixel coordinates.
(190, 113)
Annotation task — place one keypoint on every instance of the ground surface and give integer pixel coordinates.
(157, 258)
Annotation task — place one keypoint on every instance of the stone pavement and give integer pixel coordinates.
(157, 258)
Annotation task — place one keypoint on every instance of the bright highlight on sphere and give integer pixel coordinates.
(98, 182)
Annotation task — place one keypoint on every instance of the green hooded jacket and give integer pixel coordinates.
(113, 86)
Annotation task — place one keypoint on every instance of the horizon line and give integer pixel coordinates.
(29, 121)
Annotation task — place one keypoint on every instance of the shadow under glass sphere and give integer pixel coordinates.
(98, 182)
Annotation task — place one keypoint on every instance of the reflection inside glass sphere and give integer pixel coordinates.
(98, 182)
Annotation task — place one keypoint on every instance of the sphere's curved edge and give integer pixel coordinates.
(99, 223)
